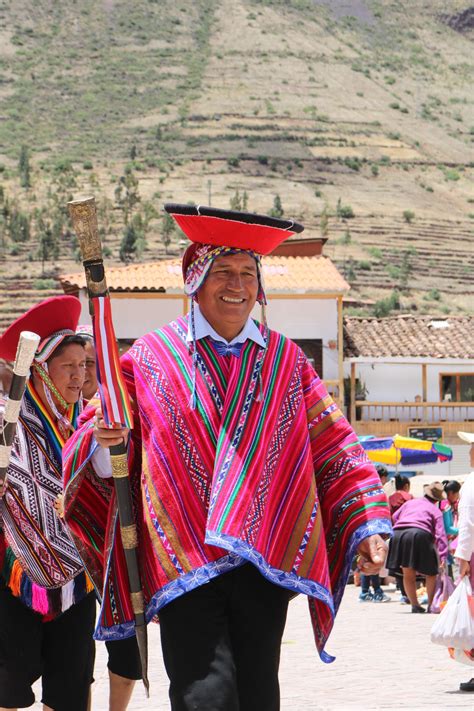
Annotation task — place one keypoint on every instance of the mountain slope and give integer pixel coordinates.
(339, 108)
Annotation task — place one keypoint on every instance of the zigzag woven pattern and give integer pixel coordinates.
(238, 478)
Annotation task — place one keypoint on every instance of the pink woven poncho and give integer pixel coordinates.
(275, 477)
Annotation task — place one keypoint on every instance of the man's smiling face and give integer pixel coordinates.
(229, 293)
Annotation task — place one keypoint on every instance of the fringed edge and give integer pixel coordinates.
(49, 602)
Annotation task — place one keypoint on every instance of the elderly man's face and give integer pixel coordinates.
(229, 293)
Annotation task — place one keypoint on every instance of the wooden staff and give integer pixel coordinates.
(114, 400)
(25, 353)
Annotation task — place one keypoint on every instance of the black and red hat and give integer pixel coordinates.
(214, 232)
(229, 228)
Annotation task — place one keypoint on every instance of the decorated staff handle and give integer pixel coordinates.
(114, 399)
(25, 353)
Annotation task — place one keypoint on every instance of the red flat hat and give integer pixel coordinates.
(229, 228)
(58, 313)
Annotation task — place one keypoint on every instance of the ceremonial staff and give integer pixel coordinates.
(25, 353)
(115, 403)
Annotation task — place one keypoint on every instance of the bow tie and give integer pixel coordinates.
(226, 348)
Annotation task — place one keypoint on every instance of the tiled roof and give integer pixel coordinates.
(409, 336)
(282, 274)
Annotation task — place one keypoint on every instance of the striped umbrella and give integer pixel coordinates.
(398, 450)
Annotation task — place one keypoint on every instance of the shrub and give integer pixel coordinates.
(277, 209)
(408, 215)
(346, 212)
(353, 163)
(385, 306)
(233, 162)
(43, 284)
(346, 238)
(375, 252)
(63, 165)
(87, 165)
(375, 169)
(451, 174)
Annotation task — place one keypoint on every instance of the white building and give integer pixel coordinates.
(410, 373)
(304, 302)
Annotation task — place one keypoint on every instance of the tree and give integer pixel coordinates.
(126, 194)
(277, 209)
(19, 226)
(48, 240)
(24, 168)
(324, 222)
(167, 229)
(238, 201)
(406, 268)
(133, 240)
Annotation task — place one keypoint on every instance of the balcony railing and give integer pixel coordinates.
(424, 412)
(389, 418)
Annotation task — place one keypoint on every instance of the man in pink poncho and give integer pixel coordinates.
(249, 484)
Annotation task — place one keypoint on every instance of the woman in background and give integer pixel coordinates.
(419, 544)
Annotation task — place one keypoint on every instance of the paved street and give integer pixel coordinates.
(385, 660)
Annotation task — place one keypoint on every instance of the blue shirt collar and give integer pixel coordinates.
(203, 328)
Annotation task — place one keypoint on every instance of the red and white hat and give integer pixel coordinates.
(52, 319)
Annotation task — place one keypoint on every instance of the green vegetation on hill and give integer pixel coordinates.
(355, 118)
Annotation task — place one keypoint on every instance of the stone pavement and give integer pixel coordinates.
(385, 660)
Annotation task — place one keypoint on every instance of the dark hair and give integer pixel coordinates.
(381, 470)
(453, 486)
(401, 481)
(68, 341)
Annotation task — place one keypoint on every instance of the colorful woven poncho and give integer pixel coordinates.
(276, 478)
(39, 563)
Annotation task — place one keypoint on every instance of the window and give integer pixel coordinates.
(457, 387)
(313, 349)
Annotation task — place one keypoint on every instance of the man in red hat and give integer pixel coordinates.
(47, 602)
(250, 486)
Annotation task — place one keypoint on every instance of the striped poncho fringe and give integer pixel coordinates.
(280, 480)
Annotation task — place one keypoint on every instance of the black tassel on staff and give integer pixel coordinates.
(84, 218)
(25, 353)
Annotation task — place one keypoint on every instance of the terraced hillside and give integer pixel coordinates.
(355, 118)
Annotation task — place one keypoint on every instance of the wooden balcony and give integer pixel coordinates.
(390, 418)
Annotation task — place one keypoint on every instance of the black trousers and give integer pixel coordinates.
(60, 651)
(221, 643)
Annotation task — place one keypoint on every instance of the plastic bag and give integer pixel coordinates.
(463, 656)
(444, 589)
(455, 625)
